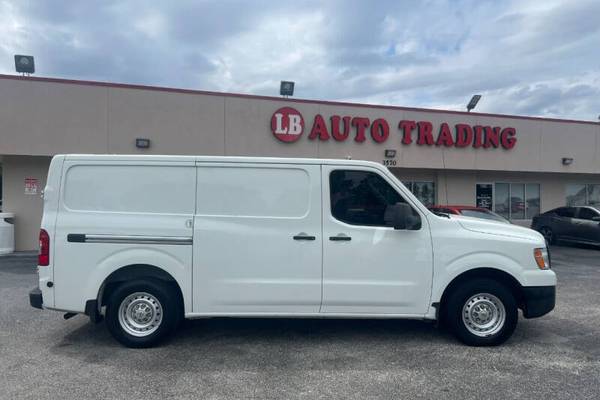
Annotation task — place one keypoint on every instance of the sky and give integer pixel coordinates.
(527, 57)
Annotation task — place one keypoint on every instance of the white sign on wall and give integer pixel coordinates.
(31, 185)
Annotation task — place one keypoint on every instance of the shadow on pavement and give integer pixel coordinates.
(249, 343)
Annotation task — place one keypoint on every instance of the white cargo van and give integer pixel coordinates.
(144, 241)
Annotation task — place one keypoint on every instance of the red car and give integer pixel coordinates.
(469, 211)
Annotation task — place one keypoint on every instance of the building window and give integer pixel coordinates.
(517, 201)
(583, 195)
(593, 192)
(424, 191)
(502, 199)
(514, 200)
(532, 199)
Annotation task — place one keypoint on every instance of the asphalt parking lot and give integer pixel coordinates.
(555, 357)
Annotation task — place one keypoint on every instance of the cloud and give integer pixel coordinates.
(525, 57)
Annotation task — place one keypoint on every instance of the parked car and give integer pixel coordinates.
(469, 211)
(572, 224)
(145, 241)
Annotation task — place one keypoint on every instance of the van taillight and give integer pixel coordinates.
(44, 255)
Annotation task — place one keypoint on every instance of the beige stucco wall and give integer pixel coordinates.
(46, 118)
(27, 208)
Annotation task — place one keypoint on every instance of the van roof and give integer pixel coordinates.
(215, 159)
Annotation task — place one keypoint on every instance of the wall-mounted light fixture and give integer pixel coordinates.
(390, 153)
(142, 143)
(567, 160)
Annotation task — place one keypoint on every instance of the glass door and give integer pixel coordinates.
(484, 195)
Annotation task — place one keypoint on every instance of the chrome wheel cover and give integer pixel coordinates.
(140, 314)
(483, 315)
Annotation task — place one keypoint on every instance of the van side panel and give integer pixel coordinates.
(117, 213)
(257, 239)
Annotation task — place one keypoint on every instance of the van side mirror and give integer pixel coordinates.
(400, 216)
(597, 218)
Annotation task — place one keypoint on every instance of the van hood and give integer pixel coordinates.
(498, 228)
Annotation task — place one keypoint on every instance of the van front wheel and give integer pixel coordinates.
(142, 313)
(482, 312)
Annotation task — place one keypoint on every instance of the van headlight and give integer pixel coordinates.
(542, 257)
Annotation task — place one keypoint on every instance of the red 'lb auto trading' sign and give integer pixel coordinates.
(287, 125)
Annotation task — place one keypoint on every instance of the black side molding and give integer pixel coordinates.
(76, 238)
(128, 239)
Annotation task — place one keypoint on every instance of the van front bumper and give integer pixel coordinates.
(538, 300)
(35, 298)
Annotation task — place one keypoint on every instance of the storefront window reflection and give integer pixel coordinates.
(424, 191)
(501, 200)
(517, 200)
(582, 195)
(532, 194)
(576, 195)
(593, 198)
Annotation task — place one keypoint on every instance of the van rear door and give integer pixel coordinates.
(257, 239)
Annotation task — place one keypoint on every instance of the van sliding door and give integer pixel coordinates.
(257, 239)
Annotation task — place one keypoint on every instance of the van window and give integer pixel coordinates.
(130, 188)
(361, 197)
(253, 192)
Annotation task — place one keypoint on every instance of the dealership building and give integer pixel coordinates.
(517, 166)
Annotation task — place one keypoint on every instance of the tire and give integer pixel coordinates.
(548, 234)
(143, 313)
(481, 312)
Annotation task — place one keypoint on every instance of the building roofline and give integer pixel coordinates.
(281, 99)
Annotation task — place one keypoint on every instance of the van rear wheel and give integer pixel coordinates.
(482, 312)
(142, 313)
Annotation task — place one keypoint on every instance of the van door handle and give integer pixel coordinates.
(304, 236)
(340, 238)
